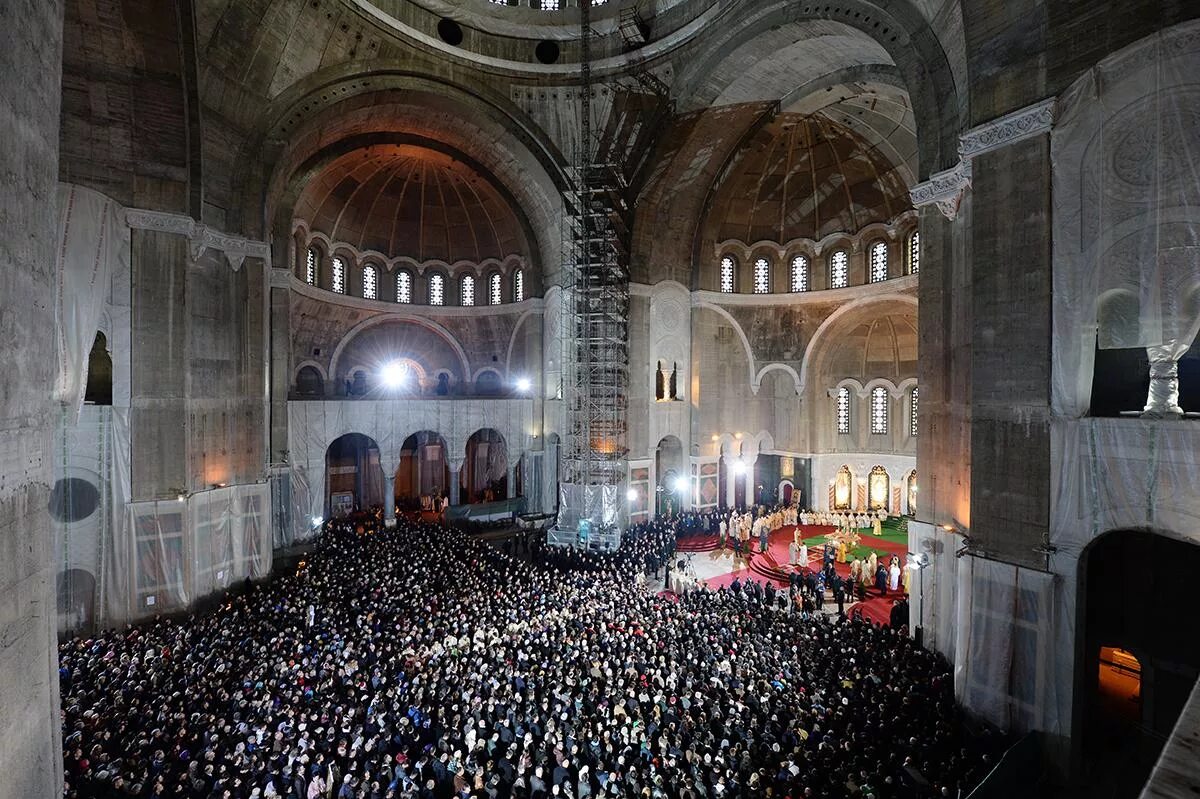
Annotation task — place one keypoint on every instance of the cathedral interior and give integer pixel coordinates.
(267, 262)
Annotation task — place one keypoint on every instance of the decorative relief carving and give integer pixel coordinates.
(201, 237)
(1008, 129)
(945, 189)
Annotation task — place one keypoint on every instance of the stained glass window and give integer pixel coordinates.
(843, 410)
(437, 290)
(494, 294)
(914, 253)
(762, 276)
(879, 411)
(879, 265)
(403, 286)
(370, 283)
(519, 285)
(799, 273)
(339, 275)
(839, 270)
(550, 5)
(467, 291)
(310, 267)
(912, 420)
(727, 275)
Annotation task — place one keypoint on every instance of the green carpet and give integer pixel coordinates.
(892, 536)
(860, 551)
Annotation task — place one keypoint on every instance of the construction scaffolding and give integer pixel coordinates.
(595, 307)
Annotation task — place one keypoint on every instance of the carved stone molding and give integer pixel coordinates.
(1008, 129)
(281, 278)
(945, 189)
(201, 237)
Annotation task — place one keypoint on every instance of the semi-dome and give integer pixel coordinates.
(806, 176)
(407, 200)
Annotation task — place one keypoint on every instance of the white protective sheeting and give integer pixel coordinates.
(186, 549)
(934, 587)
(1004, 664)
(1126, 161)
(291, 504)
(93, 245)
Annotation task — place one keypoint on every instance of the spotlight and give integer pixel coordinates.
(524, 384)
(631, 495)
(680, 484)
(316, 521)
(739, 467)
(394, 374)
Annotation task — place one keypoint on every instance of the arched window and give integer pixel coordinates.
(370, 283)
(404, 286)
(843, 410)
(912, 493)
(879, 411)
(310, 267)
(839, 270)
(879, 485)
(466, 291)
(519, 285)
(727, 269)
(879, 266)
(799, 273)
(437, 289)
(550, 5)
(339, 275)
(912, 418)
(762, 276)
(913, 253)
(495, 297)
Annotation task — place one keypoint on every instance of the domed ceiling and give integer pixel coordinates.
(883, 347)
(407, 200)
(806, 177)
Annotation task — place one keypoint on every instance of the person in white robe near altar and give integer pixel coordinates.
(876, 526)
(894, 575)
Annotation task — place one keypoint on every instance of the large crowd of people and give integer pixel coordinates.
(422, 663)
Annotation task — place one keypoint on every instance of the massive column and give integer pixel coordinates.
(30, 95)
(455, 480)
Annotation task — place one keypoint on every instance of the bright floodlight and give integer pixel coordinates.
(740, 467)
(524, 384)
(394, 374)
(316, 521)
(631, 495)
(680, 484)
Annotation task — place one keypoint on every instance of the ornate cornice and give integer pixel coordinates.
(1008, 129)
(944, 188)
(201, 237)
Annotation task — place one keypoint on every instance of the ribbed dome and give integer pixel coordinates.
(806, 177)
(882, 347)
(405, 200)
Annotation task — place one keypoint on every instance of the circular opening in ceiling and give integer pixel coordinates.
(73, 500)
(450, 31)
(546, 51)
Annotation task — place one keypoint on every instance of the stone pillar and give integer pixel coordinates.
(31, 55)
(751, 486)
(1162, 399)
(510, 486)
(389, 495)
(455, 472)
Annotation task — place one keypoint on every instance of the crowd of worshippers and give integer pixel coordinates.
(421, 663)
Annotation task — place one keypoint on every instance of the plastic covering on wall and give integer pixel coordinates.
(291, 506)
(933, 589)
(1126, 158)
(203, 544)
(1005, 648)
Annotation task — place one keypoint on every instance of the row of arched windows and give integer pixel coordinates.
(799, 268)
(436, 283)
(879, 410)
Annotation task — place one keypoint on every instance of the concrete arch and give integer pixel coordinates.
(399, 316)
(775, 367)
(724, 314)
(849, 312)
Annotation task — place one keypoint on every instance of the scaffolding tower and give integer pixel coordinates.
(594, 328)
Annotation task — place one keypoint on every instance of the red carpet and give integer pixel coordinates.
(697, 543)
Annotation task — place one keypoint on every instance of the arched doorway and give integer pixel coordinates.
(424, 471)
(353, 475)
(484, 475)
(672, 484)
(1138, 662)
(911, 485)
